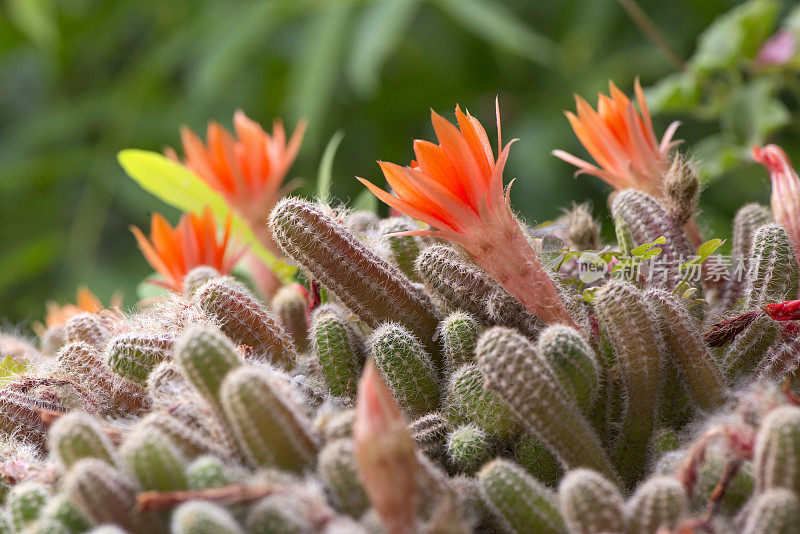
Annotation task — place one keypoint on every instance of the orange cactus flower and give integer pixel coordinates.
(785, 198)
(173, 252)
(457, 187)
(621, 141)
(248, 171)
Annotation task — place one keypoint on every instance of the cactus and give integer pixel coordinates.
(205, 356)
(207, 472)
(62, 510)
(198, 276)
(372, 288)
(773, 269)
(463, 285)
(430, 433)
(339, 471)
(278, 514)
(781, 363)
(748, 350)
(686, 348)
(658, 503)
(402, 251)
(20, 418)
(76, 436)
(623, 313)
(190, 441)
(468, 447)
(590, 503)
(155, 461)
(165, 383)
(776, 461)
(682, 191)
(573, 361)
(459, 335)
(512, 368)
(245, 321)
(199, 517)
(469, 402)
(290, 306)
(745, 223)
(87, 328)
(134, 355)
(338, 348)
(406, 367)
(268, 426)
(520, 502)
(25, 502)
(534, 456)
(776, 511)
(710, 472)
(583, 232)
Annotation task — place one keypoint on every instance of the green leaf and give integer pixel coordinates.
(642, 249)
(755, 112)
(10, 369)
(703, 252)
(736, 36)
(495, 23)
(175, 185)
(676, 92)
(36, 19)
(325, 173)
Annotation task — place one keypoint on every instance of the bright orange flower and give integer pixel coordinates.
(785, 198)
(457, 187)
(621, 141)
(85, 302)
(248, 171)
(173, 252)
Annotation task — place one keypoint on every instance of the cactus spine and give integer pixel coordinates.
(338, 348)
(773, 269)
(468, 446)
(459, 335)
(745, 223)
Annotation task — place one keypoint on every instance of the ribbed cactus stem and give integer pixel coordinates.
(777, 453)
(468, 446)
(625, 317)
(686, 348)
(246, 321)
(20, 416)
(776, 511)
(270, 428)
(590, 503)
(207, 472)
(198, 276)
(24, 503)
(200, 517)
(370, 286)
(533, 455)
(279, 514)
(520, 502)
(401, 250)
(781, 362)
(76, 436)
(469, 402)
(583, 232)
(430, 433)
(190, 440)
(155, 460)
(573, 361)
(406, 367)
(459, 335)
(773, 269)
(660, 502)
(134, 355)
(88, 328)
(749, 349)
(290, 306)
(463, 285)
(62, 510)
(745, 223)
(339, 349)
(512, 368)
(206, 356)
(339, 471)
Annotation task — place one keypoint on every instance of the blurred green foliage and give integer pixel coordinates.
(83, 79)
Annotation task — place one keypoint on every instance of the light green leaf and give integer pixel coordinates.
(755, 112)
(642, 249)
(703, 252)
(36, 19)
(177, 186)
(10, 369)
(676, 92)
(325, 173)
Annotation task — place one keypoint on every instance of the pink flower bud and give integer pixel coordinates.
(785, 188)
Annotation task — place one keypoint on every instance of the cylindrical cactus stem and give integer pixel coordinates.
(468, 446)
(77, 435)
(625, 317)
(64, 511)
(590, 503)
(777, 454)
(198, 276)
(749, 349)
(267, 424)
(245, 321)
(648, 220)
(85, 364)
(533, 455)
(362, 222)
(339, 349)
(134, 355)
(371, 287)
(512, 368)
(205, 356)
(25, 502)
(520, 502)
(339, 471)
(776, 511)
(711, 470)
(459, 335)
(745, 223)
(88, 328)
(154, 459)
(583, 232)
(401, 250)
(781, 363)
(290, 306)
(20, 416)
(773, 269)
(406, 367)
(468, 401)
(430, 433)
(461, 284)
(660, 502)
(190, 441)
(686, 348)
(207, 472)
(279, 514)
(202, 517)
(573, 361)
(107, 496)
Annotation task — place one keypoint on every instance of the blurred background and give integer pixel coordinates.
(82, 79)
